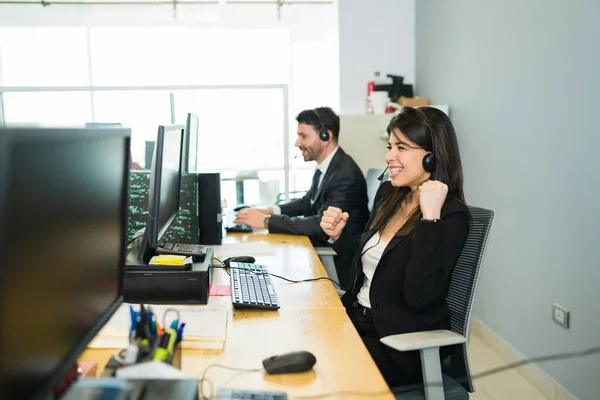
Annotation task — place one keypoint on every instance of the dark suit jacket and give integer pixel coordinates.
(343, 186)
(410, 284)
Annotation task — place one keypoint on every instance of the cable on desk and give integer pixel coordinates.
(280, 277)
(306, 280)
(203, 379)
(224, 266)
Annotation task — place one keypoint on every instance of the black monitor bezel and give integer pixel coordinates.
(153, 234)
(10, 136)
(188, 141)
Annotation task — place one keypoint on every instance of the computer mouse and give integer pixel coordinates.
(243, 259)
(296, 361)
(241, 228)
(240, 208)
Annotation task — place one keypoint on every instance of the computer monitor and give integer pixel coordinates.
(190, 144)
(102, 124)
(165, 183)
(63, 211)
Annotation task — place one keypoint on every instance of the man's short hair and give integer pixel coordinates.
(329, 119)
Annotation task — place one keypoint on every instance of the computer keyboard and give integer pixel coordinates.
(183, 249)
(240, 394)
(251, 287)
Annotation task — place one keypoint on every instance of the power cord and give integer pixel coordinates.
(224, 266)
(319, 278)
(138, 234)
(399, 389)
(203, 379)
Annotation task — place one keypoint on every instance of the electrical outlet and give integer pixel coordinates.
(560, 315)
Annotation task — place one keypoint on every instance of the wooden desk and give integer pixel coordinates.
(311, 318)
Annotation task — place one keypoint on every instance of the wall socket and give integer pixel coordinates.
(560, 315)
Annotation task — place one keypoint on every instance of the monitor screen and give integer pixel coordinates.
(63, 210)
(191, 140)
(165, 182)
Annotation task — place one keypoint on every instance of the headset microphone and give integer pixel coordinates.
(380, 177)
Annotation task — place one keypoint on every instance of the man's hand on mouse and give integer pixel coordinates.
(252, 217)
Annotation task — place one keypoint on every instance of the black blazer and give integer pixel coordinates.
(410, 284)
(343, 186)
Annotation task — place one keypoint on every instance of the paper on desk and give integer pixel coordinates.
(205, 326)
(151, 370)
(243, 249)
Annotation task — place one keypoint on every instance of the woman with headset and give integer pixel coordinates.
(403, 261)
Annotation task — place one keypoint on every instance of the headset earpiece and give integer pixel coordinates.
(323, 133)
(429, 159)
(429, 162)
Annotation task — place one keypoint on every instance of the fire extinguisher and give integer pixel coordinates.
(370, 89)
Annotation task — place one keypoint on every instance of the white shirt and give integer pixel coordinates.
(323, 166)
(371, 255)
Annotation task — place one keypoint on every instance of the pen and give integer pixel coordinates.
(134, 317)
(180, 332)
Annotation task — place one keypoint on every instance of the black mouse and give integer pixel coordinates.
(244, 259)
(296, 361)
(240, 208)
(243, 228)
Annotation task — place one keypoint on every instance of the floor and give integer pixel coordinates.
(499, 386)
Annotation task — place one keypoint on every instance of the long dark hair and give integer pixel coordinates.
(416, 125)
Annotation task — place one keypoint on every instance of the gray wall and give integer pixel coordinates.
(375, 35)
(522, 79)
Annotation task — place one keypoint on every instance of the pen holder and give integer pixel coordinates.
(173, 358)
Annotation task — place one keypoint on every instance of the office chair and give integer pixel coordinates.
(454, 371)
(294, 195)
(373, 183)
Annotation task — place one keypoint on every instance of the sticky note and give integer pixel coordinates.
(166, 259)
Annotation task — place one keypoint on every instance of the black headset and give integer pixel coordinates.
(429, 159)
(323, 133)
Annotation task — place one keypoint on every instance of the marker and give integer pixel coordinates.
(165, 347)
(180, 332)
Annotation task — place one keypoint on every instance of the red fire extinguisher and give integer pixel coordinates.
(370, 89)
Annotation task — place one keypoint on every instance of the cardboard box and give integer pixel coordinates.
(413, 101)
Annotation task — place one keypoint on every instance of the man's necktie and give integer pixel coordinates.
(315, 185)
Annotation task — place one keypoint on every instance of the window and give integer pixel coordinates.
(239, 129)
(235, 80)
(141, 110)
(48, 108)
(241, 135)
(35, 57)
(188, 56)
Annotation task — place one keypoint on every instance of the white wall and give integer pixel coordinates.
(374, 35)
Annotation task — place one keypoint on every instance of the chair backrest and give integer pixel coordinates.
(372, 185)
(462, 291)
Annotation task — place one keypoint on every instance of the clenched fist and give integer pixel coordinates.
(432, 195)
(333, 222)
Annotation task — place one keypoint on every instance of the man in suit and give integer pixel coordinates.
(338, 182)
